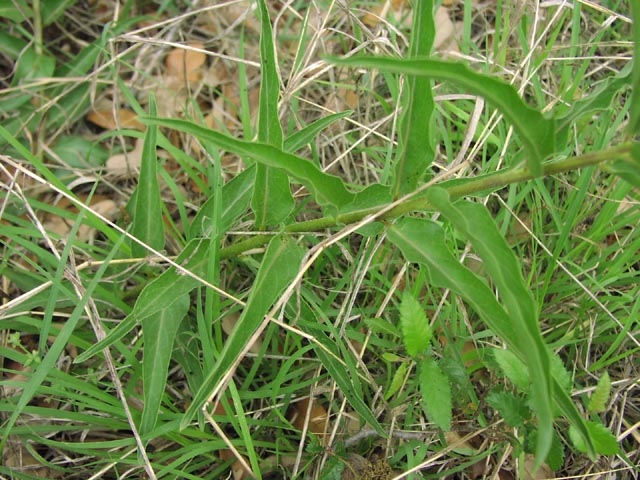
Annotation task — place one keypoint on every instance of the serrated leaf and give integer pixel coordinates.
(327, 190)
(512, 408)
(277, 269)
(397, 381)
(159, 332)
(422, 241)
(560, 372)
(415, 152)
(604, 441)
(416, 331)
(600, 396)
(515, 370)
(148, 225)
(436, 394)
(538, 134)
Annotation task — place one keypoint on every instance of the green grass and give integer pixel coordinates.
(374, 262)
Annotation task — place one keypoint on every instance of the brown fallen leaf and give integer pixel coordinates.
(123, 118)
(62, 226)
(318, 417)
(125, 165)
(184, 64)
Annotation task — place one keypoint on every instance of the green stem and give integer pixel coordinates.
(456, 188)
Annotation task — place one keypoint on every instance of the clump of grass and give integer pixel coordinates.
(326, 250)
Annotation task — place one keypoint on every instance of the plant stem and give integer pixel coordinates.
(457, 189)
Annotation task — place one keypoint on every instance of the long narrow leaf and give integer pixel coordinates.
(538, 134)
(475, 223)
(159, 332)
(147, 218)
(278, 268)
(416, 152)
(272, 200)
(302, 137)
(422, 241)
(159, 294)
(327, 190)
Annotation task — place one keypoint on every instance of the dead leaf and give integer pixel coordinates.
(62, 226)
(238, 470)
(123, 118)
(125, 165)
(543, 472)
(183, 64)
(317, 420)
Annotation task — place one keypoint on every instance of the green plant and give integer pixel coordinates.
(184, 300)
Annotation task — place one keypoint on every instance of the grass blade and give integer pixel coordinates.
(327, 190)
(416, 152)
(634, 121)
(159, 332)
(338, 363)
(272, 200)
(538, 134)
(277, 270)
(147, 218)
(49, 361)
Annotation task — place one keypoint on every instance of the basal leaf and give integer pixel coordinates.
(436, 393)
(600, 396)
(415, 152)
(512, 408)
(397, 381)
(538, 134)
(278, 268)
(328, 190)
(416, 331)
(159, 332)
(272, 199)
(422, 241)
(605, 442)
(514, 369)
(147, 218)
